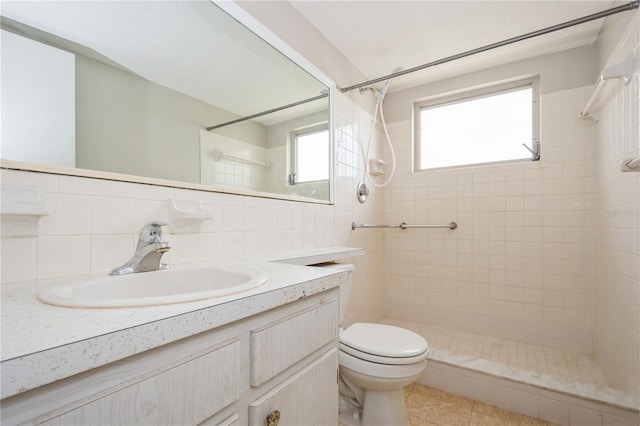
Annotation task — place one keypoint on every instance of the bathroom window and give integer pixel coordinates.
(478, 126)
(309, 155)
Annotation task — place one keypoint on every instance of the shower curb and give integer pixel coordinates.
(534, 394)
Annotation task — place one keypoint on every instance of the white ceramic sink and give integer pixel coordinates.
(154, 288)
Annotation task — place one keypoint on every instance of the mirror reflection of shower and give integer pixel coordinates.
(376, 166)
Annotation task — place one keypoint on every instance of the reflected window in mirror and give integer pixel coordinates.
(309, 155)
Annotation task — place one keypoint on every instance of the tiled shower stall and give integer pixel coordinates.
(539, 284)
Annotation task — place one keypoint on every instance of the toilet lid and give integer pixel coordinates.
(383, 340)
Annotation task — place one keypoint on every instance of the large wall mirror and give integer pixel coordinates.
(170, 92)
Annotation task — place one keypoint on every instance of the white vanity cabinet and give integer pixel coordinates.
(301, 399)
(279, 363)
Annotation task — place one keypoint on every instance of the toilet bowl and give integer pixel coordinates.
(376, 362)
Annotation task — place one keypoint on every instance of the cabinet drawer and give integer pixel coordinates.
(187, 393)
(279, 345)
(309, 397)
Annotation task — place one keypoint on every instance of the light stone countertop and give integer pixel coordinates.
(43, 343)
(315, 256)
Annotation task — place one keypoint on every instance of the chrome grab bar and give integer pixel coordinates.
(403, 225)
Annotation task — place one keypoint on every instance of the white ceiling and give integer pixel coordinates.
(379, 36)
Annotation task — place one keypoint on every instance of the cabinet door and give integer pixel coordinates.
(309, 397)
(185, 394)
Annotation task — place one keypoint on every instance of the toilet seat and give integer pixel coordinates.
(383, 344)
(380, 371)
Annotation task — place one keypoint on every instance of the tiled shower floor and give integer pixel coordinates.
(563, 387)
(566, 365)
(580, 368)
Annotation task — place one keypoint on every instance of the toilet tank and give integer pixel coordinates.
(345, 289)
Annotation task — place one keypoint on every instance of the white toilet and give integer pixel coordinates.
(376, 362)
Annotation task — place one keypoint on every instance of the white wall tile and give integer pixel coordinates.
(18, 259)
(615, 216)
(45, 182)
(93, 187)
(232, 218)
(68, 215)
(63, 256)
(110, 251)
(146, 211)
(513, 209)
(111, 216)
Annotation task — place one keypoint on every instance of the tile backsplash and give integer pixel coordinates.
(92, 225)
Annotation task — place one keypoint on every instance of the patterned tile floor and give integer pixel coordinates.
(567, 365)
(428, 406)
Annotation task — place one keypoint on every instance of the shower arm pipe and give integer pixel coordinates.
(403, 225)
(603, 14)
(260, 114)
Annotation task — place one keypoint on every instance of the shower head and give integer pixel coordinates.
(382, 94)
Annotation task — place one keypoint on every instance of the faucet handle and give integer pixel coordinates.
(151, 233)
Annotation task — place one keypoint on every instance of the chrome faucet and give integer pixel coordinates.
(149, 250)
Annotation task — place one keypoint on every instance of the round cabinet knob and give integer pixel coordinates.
(274, 418)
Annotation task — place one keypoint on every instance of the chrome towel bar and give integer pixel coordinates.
(403, 225)
(220, 155)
